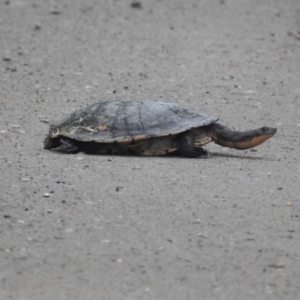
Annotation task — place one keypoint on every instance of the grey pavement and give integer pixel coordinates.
(120, 227)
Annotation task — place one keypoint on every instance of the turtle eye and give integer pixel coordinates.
(265, 129)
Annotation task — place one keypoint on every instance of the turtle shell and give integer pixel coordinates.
(126, 121)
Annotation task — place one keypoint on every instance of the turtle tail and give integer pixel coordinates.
(226, 137)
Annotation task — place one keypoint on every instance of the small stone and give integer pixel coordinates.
(79, 157)
(276, 266)
(228, 77)
(136, 4)
(25, 179)
(46, 195)
(106, 241)
(37, 26)
(55, 10)
(289, 204)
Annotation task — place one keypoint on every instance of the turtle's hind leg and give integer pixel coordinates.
(67, 146)
(50, 143)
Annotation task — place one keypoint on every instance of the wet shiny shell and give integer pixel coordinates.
(127, 121)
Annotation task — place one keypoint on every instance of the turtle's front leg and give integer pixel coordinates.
(187, 146)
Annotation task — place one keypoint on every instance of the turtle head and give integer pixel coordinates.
(253, 138)
(241, 140)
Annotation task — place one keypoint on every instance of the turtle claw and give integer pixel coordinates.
(205, 154)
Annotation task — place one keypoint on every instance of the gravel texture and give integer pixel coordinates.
(116, 227)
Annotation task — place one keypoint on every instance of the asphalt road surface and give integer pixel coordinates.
(120, 227)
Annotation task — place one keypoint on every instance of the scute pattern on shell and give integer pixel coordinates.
(124, 121)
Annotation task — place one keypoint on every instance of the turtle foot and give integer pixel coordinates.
(67, 146)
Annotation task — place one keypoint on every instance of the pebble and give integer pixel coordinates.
(276, 266)
(228, 77)
(37, 26)
(289, 204)
(55, 10)
(25, 179)
(106, 241)
(136, 4)
(79, 157)
(46, 195)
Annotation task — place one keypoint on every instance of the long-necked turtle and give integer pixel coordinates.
(146, 128)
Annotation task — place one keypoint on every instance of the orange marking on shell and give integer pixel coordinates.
(102, 127)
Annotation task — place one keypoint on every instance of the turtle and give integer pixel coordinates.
(146, 128)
